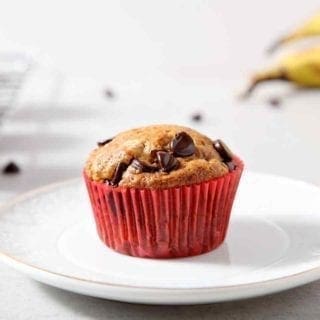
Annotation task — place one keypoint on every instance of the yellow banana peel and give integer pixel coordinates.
(302, 69)
(309, 28)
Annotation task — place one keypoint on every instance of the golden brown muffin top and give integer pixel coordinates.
(158, 156)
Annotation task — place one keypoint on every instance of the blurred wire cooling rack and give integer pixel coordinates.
(14, 68)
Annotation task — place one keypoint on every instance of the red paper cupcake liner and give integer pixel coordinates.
(164, 223)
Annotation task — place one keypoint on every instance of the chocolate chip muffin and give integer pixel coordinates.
(158, 156)
(162, 191)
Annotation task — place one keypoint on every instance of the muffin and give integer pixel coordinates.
(162, 191)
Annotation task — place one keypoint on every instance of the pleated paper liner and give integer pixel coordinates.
(164, 223)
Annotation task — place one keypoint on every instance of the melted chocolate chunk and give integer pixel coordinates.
(102, 143)
(182, 145)
(223, 150)
(117, 176)
(143, 167)
(11, 168)
(167, 161)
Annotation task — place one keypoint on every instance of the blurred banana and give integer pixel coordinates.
(308, 29)
(302, 69)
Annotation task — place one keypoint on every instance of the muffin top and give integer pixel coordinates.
(158, 156)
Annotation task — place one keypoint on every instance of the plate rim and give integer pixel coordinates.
(22, 266)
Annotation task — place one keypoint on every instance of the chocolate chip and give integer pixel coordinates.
(143, 167)
(231, 165)
(182, 145)
(11, 168)
(196, 117)
(275, 102)
(102, 143)
(223, 150)
(117, 176)
(109, 93)
(167, 161)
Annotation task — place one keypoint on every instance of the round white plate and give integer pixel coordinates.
(273, 244)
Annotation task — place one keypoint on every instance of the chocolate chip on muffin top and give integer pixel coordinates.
(159, 156)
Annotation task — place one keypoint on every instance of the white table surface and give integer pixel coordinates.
(158, 77)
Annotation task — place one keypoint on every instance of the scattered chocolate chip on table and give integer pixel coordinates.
(275, 102)
(109, 94)
(11, 168)
(197, 117)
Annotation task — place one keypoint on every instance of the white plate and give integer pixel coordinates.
(273, 244)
